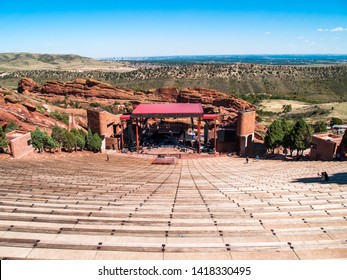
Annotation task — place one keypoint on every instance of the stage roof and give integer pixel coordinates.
(175, 110)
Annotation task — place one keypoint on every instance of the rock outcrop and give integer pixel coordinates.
(91, 90)
(21, 111)
(221, 102)
(87, 88)
(27, 84)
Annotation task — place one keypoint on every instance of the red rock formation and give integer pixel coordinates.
(88, 88)
(16, 108)
(218, 99)
(167, 94)
(27, 84)
(95, 91)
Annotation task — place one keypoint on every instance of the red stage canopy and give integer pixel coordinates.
(124, 117)
(168, 110)
(210, 117)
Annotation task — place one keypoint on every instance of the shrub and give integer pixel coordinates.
(40, 109)
(287, 108)
(94, 104)
(319, 127)
(3, 140)
(60, 116)
(11, 126)
(334, 121)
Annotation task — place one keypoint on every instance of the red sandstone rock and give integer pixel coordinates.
(91, 90)
(22, 112)
(88, 88)
(29, 85)
(167, 94)
(230, 103)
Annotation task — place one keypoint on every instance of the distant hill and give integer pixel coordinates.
(323, 83)
(34, 61)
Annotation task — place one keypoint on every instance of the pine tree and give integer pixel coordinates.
(80, 137)
(89, 139)
(49, 143)
(274, 135)
(96, 142)
(301, 136)
(80, 142)
(58, 134)
(69, 141)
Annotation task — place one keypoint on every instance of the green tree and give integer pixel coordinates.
(301, 136)
(49, 143)
(287, 126)
(3, 140)
(38, 138)
(69, 141)
(274, 135)
(96, 143)
(80, 137)
(319, 127)
(58, 134)
(80, 142)
(89, 139)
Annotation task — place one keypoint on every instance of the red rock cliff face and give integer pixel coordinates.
(87, 88)
(16, 108)
(93, 88)
(215, 98)
(213, 101)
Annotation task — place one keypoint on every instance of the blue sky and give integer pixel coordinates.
(149, 28)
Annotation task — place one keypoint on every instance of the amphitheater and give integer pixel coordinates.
(83, 207)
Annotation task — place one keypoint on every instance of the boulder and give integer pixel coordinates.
(29, 85)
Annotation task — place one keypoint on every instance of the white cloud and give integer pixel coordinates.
(267, 33)
(337, 29)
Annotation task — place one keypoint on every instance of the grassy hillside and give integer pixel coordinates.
(269, 110)
(32, 61)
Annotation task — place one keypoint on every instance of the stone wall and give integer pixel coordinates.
(20, 143)
(245, 123)
(322, 149)
(101, 121)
